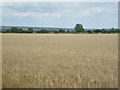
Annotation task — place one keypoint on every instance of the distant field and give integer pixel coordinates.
(60, 60)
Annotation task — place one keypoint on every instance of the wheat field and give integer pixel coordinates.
(60, 60)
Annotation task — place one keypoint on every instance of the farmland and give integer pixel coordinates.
(60, 60)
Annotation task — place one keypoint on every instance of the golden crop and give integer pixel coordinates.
(60, 60)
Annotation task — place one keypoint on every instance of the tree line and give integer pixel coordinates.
(78, 29)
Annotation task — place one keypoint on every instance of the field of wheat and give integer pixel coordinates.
(60, 60)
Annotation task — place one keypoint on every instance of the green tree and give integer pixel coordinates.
(37, 31)
(97, 31)
(103, 31)
(79, 28)
(55, 31)
(113, 30)
(30, 30)
(3, 31)
(68, 31)
(7, 31)
(14, 30)
(61, 31)
(44, 31)
(108, 31)
(20, 30)
(89, 31)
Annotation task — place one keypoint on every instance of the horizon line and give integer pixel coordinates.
(52, 26)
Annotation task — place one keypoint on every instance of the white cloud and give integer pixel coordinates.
(43, 15)
(60, 0)
(40, 10)
(36, 14)
(84, 12)
(100, 10)
(20, 14)
(96, 10)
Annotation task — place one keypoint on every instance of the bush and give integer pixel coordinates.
(89, 31)
(42, 31)
(55, 31)
(61, 31)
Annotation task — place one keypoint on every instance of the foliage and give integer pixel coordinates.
(30, 30)
(43, 31)
(61, 31)
(55, 31)
(79, 28)
(97, 31)
(68, 31)
(89, 31)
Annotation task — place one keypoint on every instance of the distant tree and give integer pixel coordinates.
(20, 31)
(89, 31)
(79, 28)
(72, 32)
(113, 30)
(97, 31)
(61, 31)
(38, 31)
(55, 31)
(103, 31)
(7, 31)
(14, 30)
(68, 31)
(118, 30)
(44, 31)
(30, 30)
(3, 31)
(108, 31)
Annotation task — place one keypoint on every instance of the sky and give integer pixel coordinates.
(60, 14)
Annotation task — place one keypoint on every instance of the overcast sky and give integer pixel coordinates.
(61, 14)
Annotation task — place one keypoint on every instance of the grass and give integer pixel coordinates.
(60, 61)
